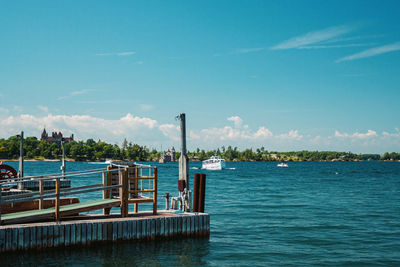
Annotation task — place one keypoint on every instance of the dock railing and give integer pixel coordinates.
(129, 185)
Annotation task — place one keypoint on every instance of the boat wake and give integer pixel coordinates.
(231, 168)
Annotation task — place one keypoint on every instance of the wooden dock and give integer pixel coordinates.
(88, 229)
(52, 223)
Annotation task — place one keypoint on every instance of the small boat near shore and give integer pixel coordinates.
(282, 164)
(213, 163)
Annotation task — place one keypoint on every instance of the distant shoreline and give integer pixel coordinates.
(71, 160)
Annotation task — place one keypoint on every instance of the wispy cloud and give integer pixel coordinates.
(334, 46)
(249, 50)
(120, 54)
(146, 107)
(372, 52)
(76, 93)
(43, 108)
(313, 37)
(368, 134)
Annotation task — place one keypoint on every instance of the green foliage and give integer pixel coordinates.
(100, 151)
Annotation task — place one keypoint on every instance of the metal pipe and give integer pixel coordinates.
(63, 167)
(21, 155)
(166, 201)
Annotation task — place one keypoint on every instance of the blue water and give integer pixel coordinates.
(312, 213)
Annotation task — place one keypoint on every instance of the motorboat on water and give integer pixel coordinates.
(282, 164)
(213, 163)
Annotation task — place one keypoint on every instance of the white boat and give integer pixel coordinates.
(282, 164)
(213, 163)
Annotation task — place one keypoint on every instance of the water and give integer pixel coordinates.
(312, 213)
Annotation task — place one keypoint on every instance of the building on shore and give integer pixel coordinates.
(167, 156)
(55, 137)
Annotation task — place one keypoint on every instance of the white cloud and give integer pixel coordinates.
(249, 50)
(313, 37)
(18, 109)
(43, 108)
(76, 93)
(262, 133)
(237, 121)
(333, 46)
(149, 132)
(171, 131)
(368, 134)
(3, 111)
(146, 107)
(292, 134)
(83, 126)
(372, 52)
(120, 54)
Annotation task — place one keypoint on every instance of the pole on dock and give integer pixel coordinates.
(183, 159)
(21, 156)
(63, 167)
(184, 162)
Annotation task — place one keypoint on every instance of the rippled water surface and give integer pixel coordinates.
(312, 213)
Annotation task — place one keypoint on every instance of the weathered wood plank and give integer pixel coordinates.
(50, 236)
(20, 238)
(125, 230)
(9, 239)
(61, 234)
(56, 236)
(114, 231)
(153, 229)
(166, 226)
(84, 233)
(135, 230)
(139, 229)
(67, 236)
(39, 237)
(44, 236)
(78, 232)
(2, 240)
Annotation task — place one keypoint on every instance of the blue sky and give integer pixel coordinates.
(286, 75)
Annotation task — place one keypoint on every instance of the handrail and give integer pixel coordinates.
(55, 176)
(123, 184)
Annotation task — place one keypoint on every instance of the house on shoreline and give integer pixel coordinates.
(55, 137)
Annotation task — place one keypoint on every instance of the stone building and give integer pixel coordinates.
(167, 156)
(55, 137)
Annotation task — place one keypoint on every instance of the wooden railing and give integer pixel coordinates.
(129, 186)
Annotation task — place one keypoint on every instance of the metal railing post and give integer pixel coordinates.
(41, 194)
(0, 204)
(57, 200)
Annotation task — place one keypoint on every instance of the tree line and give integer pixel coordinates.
(91, 150)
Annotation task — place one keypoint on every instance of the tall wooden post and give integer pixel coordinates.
(106, 193)
(41, 194)
(123, 191)
(155, 191)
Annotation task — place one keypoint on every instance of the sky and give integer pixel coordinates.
(283, 75)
